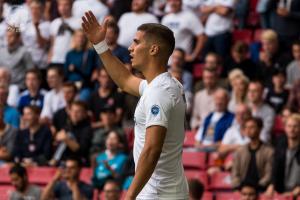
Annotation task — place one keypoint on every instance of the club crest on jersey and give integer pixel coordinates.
(155, 109)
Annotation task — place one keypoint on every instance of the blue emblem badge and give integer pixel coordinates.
(155, 109)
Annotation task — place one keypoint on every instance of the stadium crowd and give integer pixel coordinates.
(238, 61)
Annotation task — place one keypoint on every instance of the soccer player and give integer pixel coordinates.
(159, 116)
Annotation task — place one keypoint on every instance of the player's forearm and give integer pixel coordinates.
(146, 165)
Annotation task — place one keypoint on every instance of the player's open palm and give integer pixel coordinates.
(93, 30)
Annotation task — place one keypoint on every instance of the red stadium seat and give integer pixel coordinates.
(257, 35)
(86, 175)
(199, 175)
(5, 191)
(189, 140)
(278, 127)
(275, 197)
(253, 19)
(96, 195)
(4, 175)
(242, 35)
(253, 4)
(129, 131)
(198, 70)
(220, 181)
(40, 175)
(228, 196)
(194, 160)
(207, 196)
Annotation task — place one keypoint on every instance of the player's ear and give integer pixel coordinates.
(154, 49)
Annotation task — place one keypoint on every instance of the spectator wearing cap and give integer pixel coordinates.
(105, 95)
(277, 95)
(252, 163)
(185, 26)
(109, 163)
(293, 68)
(61, 117)
(214, 126)
(260, 109)
(61, 30)
(75, 138)
(66, 183)
(16, 58)
(108, 118)
(23, 189)
(34, 94)
(139, 15)
(33, 144)
(286, 165)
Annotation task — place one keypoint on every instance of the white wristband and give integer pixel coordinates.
(101, 47)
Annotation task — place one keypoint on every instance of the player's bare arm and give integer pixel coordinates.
(115, 68)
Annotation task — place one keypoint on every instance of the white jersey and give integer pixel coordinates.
(162, 104)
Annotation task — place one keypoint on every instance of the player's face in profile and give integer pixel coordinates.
(139, 50)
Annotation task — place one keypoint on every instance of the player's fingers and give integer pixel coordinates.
(85, 21)
(84, 27)
(89, 17)
(105, 24)
(93, 18)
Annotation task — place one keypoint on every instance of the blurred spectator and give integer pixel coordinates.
(54, 99)
(35, 36)
(61, 30)
(16, 58)
(293, 69)
(105, 95)
(112, 35)
(61, 117)
(118, 7)
(96, 6)
(235, 137)
(24, 190)
(271, 56)
(286, 21)
(13, 94)
(239, 86)
(277, 95)
(136, 17)
(7, 139)
(240, 59)
(216, 123)
(213, 61)
(109, 163)
(261, 109)
(112, 190)
(3, 26)
(252, 163)
(242, 12)
(248, 191)
(75, 138)
(196, 189)
(294, 97)
(219, 22)
(185, 26)
(80, 63)
(286, 165)
(33, 145)
(33, 95)
(203, 100)
(66, 184)
(265, 13)
(107, 117)
(11, 115)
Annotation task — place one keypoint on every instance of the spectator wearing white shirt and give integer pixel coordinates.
(36, 35)
(2, 25)
(96, 6)
(61, 30)
(219, 22)
(54, 99)
(129, 22)
(261, 109)
(185, 25)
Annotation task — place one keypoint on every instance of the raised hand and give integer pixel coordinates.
(93, 30)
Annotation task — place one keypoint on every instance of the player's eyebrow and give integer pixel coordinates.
(136, 41)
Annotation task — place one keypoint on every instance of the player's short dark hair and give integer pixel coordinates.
(114, 26)
(36, 72)
(163, 34)
(258, 121)
(19, 170)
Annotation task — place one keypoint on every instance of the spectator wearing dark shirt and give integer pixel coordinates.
(277, 95)
(75, 138)
(294, 97)
(61, 117)
(80, 63)
(66, 184)
(34, 95)
(33, 145)
(286, 165)
(105, 95)
(252, 162)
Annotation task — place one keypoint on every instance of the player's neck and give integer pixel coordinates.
(153, 69)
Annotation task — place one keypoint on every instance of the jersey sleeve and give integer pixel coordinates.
(158, 107)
